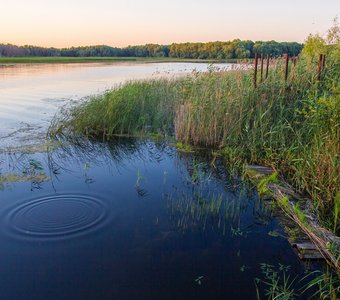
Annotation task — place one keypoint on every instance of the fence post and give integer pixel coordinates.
(286, 67)
(255, 70)
(261, 67)
(294, 60)
(267, 66)
(292, 68)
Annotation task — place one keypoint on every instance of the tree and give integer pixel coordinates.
(333, 33)
(314, 46)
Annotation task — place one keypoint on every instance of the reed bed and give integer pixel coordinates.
(290, 125)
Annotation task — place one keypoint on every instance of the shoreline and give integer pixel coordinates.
(6, 61)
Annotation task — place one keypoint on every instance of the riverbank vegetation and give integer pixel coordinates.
(235, 49)
(292, 126)
(63, 60)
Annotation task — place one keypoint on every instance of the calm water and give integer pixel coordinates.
(31, 94)
(131, 219)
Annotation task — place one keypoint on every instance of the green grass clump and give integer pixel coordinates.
(299, 213)
(184, 147)
(262, 186)
(136, 108)
(285, 201)
(290, 125)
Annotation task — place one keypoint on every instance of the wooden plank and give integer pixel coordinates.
(310, 256)
(327, 244)
(304, 246)
(307, 250)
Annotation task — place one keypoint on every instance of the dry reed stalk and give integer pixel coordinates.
(321, 237)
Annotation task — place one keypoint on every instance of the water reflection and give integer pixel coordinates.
(158, 223)
(30, 94)
(216, 201)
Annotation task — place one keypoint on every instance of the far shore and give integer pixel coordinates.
(47, 60)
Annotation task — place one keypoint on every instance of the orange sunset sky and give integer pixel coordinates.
(65, 23)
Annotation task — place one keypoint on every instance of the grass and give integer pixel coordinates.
(150, 109)
(184, 147)
(262, 185)
(37, 59)
(277, 284)
(292, 126)
(327, 285)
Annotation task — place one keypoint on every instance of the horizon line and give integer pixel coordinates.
(149, 43)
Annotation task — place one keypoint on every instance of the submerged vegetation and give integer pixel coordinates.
(292, 125)
(24, 170)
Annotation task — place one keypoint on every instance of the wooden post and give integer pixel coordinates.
(320, 66)
(323, 64)
(261, 67)
(267, 66)
(294, 60)
(286, 67)
(255, 70)
(292, 70)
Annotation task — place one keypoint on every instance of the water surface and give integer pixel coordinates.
(130, 219)
(133, 220)
(30, 94)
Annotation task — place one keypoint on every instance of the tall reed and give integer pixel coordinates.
(292, 126)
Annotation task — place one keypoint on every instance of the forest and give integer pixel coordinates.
(236, 49)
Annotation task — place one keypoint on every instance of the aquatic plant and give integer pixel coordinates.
(184, 147)
(290, 125)
(35, 179)
(22, 168)
(277, 283)
(204, 206)
(327, 284)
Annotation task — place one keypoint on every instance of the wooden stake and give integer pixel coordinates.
(294, 60)
(261, 67)
(267, 66)
(255, 70)
(286, 67)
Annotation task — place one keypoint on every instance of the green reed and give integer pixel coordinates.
(290, 125)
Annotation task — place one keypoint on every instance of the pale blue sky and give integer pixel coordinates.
(62, 23)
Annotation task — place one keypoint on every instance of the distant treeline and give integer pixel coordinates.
(212, 50)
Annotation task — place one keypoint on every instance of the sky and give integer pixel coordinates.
(65, 23)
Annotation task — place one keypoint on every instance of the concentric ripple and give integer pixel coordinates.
(57, 216)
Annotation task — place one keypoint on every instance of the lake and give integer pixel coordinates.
(129, 219)
(30, 94)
